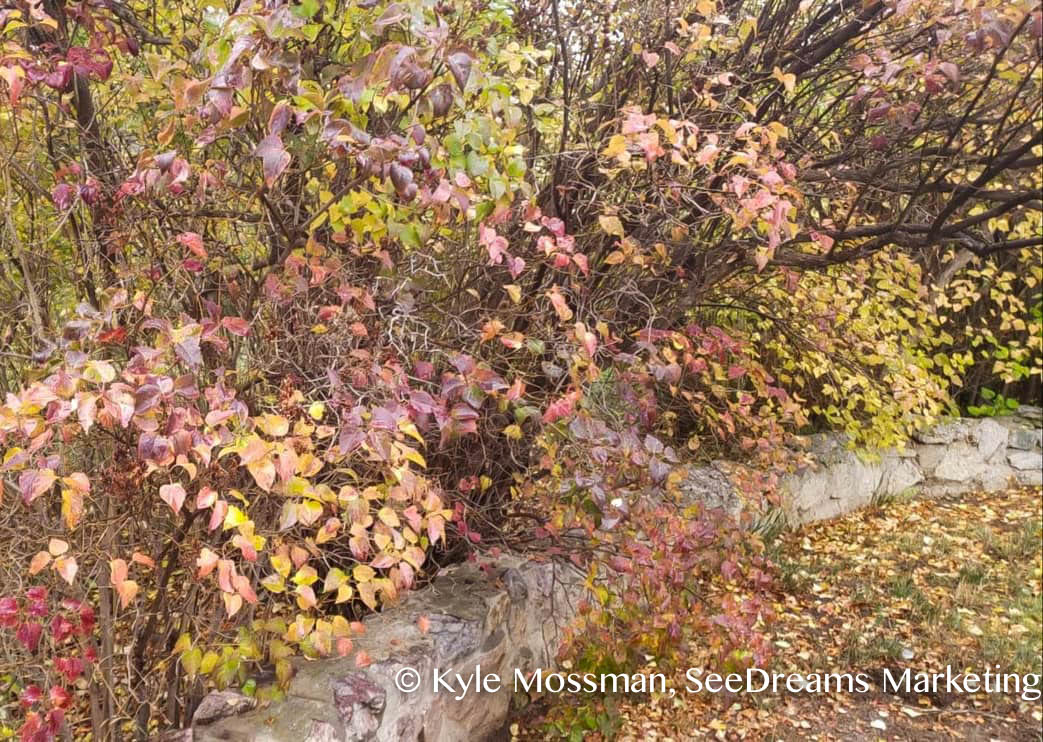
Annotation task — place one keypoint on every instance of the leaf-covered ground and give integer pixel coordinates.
(917, 584)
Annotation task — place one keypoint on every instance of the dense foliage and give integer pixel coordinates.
(302, 300)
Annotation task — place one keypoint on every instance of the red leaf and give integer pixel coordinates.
(60, 698)
(560, 408)
(70, 667)
(243, 587)
(8, 612)
(279, 118)
(115, 336)
(29, 634)
(32, 695)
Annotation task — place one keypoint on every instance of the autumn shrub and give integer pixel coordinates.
(303, 301)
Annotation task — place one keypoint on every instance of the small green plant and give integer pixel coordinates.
(994, 404)
(575, 722)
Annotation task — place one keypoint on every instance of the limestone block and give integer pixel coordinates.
(960, 463)
(990, 437)
(1025, 460)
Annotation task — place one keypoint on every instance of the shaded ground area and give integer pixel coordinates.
(916, 584)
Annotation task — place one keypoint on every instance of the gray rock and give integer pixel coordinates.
(823, 446)
(828, 490)
(322, 731)
(517, 589)
(1030, 412)
(1024, 439)
(936, 489)
(990, 437)
(454, 637)
(175, 735)
(710, 487)
(944, 432)
(220, 704)
(899, 475)
(960, 463)
(995, 477)
(1025, 460)
(929, 457)
(360, 703)
(1030, 478)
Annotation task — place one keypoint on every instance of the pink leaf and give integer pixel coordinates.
(236, 325)
(35, 482)
(823, 239)
(173, 495)
(193, 242)
(67, 568)
(560, 408)
(515, 265)
(206, 561)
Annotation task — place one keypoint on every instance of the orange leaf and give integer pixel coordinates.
(117, 571)
(127, 591)
(41, 560)
(138, 558)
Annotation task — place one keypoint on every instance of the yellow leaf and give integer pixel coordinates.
(611, 224)
(706, 8)
(274, 425)
(410, 429)
(788, 79)
(411, 454)
(209, 662)
(513, 291)
(281, 564)
(388, 516)
(617, 146)
(317, 410)
(183, 644)
(363, 573)
(513, 432)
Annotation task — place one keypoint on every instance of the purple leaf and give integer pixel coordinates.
(274, 156)
(63, 195)
(459, 60)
